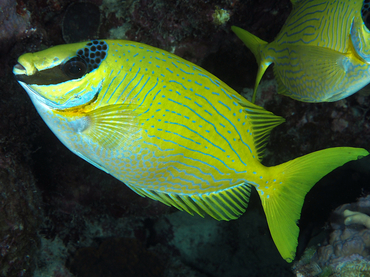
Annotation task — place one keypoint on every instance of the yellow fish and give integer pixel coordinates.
(171, 131)
(322, 53)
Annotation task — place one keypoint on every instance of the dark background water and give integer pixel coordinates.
(60, 216)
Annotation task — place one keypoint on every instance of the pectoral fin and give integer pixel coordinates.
(109, 126)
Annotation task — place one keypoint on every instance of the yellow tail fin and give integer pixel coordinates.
(255, 44)
(282, 201)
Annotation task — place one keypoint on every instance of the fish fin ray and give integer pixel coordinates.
(283, 204)
(254, 44)
(112, 125)
(262, 123)
(226, 204)
(296, 78)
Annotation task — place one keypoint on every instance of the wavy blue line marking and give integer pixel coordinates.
(241, 139)
(169, 70)
(182, 136)
(224, 105)
(182, 181)
(213, 81)
(216, 128)
(123, 91)
(155, 96)
(199, 84)
(156, 145)
(146, 95)
(142, 76)
(191, 130)
(173, 81)
(208, 112)
(199, 105)
(228, 95)
(182, 70)
(305, 13)
(197, 168)
(187, 97)
(200, 152)
(108, 89)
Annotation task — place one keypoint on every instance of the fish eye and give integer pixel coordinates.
(75, 68)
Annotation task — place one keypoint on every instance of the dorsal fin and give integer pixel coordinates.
(262, 122)
(225, 204)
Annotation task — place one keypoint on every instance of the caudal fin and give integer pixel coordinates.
(255, 44)
(282, 201)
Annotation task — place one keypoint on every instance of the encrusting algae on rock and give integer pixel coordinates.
(171, 131)
(220, 16)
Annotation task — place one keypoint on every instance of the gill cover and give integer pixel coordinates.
(57, 75)
(360, 33)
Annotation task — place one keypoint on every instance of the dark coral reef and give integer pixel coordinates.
(60, 216)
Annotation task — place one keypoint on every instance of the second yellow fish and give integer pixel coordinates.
(322, 53)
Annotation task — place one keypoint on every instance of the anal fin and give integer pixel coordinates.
(225, 204)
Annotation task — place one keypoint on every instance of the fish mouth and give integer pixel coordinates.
(30, 75)
(19, 67)
(19, 70)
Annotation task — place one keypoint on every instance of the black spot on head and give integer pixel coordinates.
(93, 54)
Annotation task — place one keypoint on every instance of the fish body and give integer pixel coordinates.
(321, 53)
(171, 131)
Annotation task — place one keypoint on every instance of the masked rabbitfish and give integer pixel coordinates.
(171, 131)
(322, 53)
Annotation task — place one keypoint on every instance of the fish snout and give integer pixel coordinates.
(25, 66)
